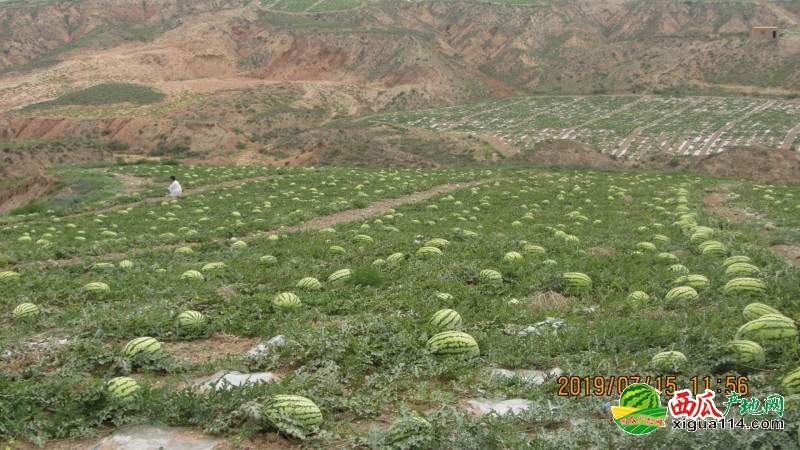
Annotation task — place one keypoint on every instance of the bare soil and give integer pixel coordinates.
(26, 192)
(790, 252)
(567, 152)
(217, 347)
(764, 165)
(547, 301)
(716, 202)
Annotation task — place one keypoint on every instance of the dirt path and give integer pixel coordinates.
(316, 223)
(790, 137)
(715, 137)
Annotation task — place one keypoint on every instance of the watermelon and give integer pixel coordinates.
(682, 294)
(445, 320)
(695, 281)
(213, 266)
(309, 283)
(769, 327)
(668, 361)
(453, 343)
(25, 311)
(437, 242)
(735, 259)
(363, 239)
(742, 269)
(336, 250)
(746, 353)
(339, 276)
(192, 275)
(403, 429)
(268, 260)
(142, 345)
(576, 282)
(513, 257)
(444, 296)
(123, 389)
(638, 296)
(490, 276)
(125, 264)
(428, 251)
(749, 286)
(8, 276)
(192, 321)
(791, 382)
(646, 246)
(639, 396)
(96, 288)
(395, 257)
(534, 249)
(669, 257)
(183, 250)
(239, 245)
(300, 411)
(754, 311)
(286, 301)
(680, 269)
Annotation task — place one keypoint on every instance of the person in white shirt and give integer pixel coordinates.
(174, 188)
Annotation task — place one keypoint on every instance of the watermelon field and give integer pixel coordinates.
(632, 127)
(388, 305)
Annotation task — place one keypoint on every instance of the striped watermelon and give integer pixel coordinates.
(428, 251)
(268, 260)
(309, 283)
(8, 276)
(445, 320)
(123, 388)
(769, 327)
(646, 246)
(336, 250)
(531, 249)
(751, 286)
(639, 396)
(453, 343)
(191, 321)
(490, 276)
(395, 257)
(754, 311)
(299, 411)
(791, 382)
(695, 281)
(192, 275)
(667, 257)
(184, 250)
(735, 259)
(286, 301)
(363, 239)
(638, 296)
(660, 238)
(96, 288)
(668, 361)
(26, 311)
(403, 429)
(742, 269)
(576, 282)
(680, 269)
(125, 264)
(142, 346)
(213, 266)
(713, 248)
(513, 257)
(682, 294)
(444, 296)
(379, 262)
(747, 353)
(339, 276)
(437, 242)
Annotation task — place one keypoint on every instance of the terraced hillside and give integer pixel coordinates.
(625, 126)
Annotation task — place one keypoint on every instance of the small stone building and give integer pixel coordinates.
(764, 33)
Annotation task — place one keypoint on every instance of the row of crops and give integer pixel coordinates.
(338, 5)
(212, 215)
(628, 126)
(355, 303)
